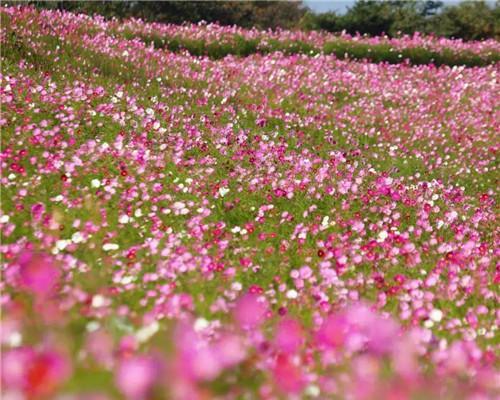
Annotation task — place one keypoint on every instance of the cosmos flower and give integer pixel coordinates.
(38, 273)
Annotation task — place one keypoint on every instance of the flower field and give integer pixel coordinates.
(276, 226)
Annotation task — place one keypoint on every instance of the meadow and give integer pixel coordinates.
(204, 212)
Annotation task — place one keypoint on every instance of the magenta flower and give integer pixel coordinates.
(287, 375)
(38, 273)
(289, 336)
(333, 331)
(37, 211)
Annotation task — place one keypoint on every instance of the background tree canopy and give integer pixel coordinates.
(470, 20)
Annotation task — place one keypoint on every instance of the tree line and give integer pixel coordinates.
(469, 20)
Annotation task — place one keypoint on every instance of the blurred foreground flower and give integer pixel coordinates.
(37, 374)
(38, 273)
(250, 311)
(136, 376)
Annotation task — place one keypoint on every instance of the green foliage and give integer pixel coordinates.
(369, 16)
(413, 55)
(375, 17)
(469, 20)
(328, 21)
(261, 14)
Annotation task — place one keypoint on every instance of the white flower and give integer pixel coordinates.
(95, 183)
(15, 339)
(126, 280)
(292, 294)
(428, 323)
(123, 219)
(178, 205)
(200, 324)
(77, 237)
(436, 315)
(62, 244)
(92, 326)
(4, 219)
(98, 301)
(110, 246)
(223, 191)
(382, 236)
(138, 213)
(146, 332)
(312, 390)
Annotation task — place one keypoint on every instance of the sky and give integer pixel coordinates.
(340, 6)
(324, 6)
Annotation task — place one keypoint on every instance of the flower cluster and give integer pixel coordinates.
(265, 227)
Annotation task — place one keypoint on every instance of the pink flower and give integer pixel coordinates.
(230, 350)
(333, 332)
(195, 358)
(136, 376)
(287, 376)
(14, 367)
(250, 311)
(38, 274)
(201, 360)
(36, 374)
(289, 336)
(99, 344)
(37, 211)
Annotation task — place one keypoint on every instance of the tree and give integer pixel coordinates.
(430, 7)
(265, 14)
(368, 16)
(470, 20)
(328, 21)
